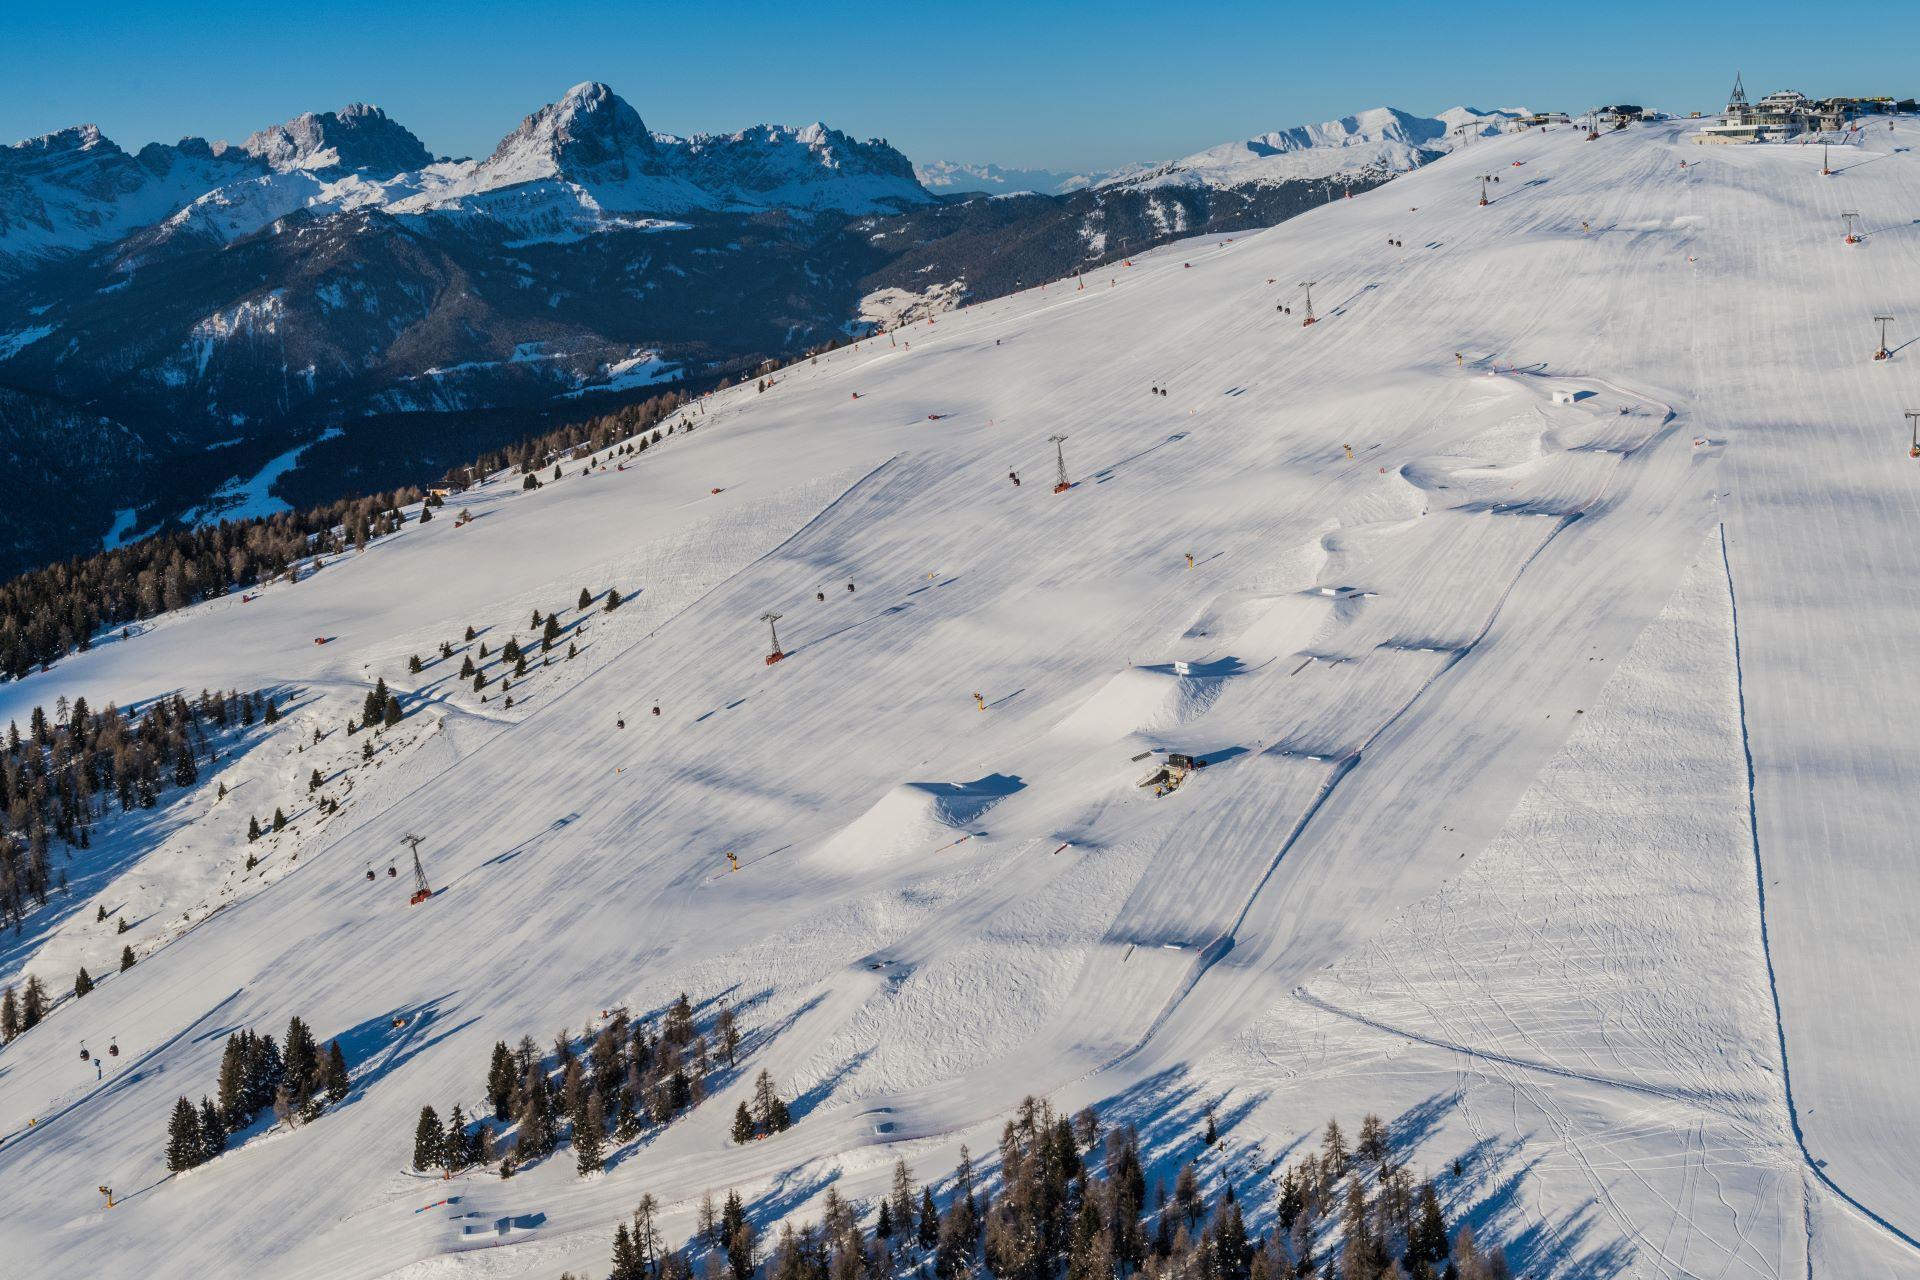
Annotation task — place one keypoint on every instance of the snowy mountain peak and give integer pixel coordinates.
(358, 136)
(590, 135)
(590, 154)
(1377, 142)
(79, 137)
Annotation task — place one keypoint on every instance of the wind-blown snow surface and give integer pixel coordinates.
(1560, 782)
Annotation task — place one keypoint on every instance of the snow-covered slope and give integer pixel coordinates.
(1558, 804)
(1374, 143)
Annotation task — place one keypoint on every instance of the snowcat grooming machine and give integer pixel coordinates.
(1166, 778)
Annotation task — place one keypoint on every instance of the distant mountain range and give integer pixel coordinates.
(209, 328)
(947, 177)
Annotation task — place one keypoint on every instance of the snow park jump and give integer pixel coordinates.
(1506, 760)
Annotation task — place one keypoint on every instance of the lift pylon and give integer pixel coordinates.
(777, 653)
(421, 889)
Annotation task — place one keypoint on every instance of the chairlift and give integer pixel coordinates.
(84, 1055)
(113, 1048)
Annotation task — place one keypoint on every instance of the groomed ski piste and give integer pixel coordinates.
(1558, 808)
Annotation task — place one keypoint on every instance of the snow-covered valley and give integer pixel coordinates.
(1538, 612)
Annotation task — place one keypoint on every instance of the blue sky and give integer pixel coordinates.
(1060, 85)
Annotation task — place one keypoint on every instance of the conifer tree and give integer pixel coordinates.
(313, 782)
(213, 1132)
(235, 1105)
(82, 983)
(375, 702)
(413, 665)
(626, 1260)
(590, 1137)
(1427, 1242)
(740, 1238)
(743, 1127)
(184, 1146)
(900, 1199)
(393, 713)
(453, 1143)
(253, 829)
(9, 1015)
(427, 1139)
(264, 1071)
(1333, 1153)
(279, 820)
(536, 1118)
(500, 1081)
(273, 713)
(586, 600)
(1372, 1143)
(33, 1004)
(334, 1080)
(573, 1090)
(647, 1240)
(929, 1226)
(126, 957)
(300, 1061)
(764, 1100)
(613, 599)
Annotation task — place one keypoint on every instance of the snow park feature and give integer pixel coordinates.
(1558, 804)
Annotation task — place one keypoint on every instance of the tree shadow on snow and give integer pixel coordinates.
(376, 1048)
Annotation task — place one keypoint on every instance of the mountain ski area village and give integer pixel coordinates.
(737, 707)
